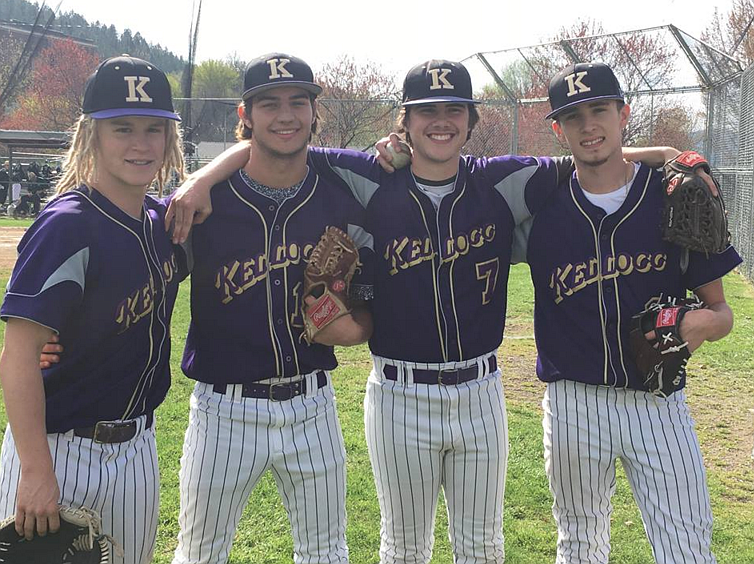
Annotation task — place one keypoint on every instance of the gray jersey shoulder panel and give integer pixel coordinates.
(513, 189)
(73, 269)
(361, 187)
(360, 236)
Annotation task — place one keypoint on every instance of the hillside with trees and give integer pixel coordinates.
(109, 40)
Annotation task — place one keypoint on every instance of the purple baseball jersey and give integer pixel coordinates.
(247, 279)
(106, 283)
(592, 272)
(441, 276)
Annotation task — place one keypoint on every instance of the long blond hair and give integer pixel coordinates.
(80, 165)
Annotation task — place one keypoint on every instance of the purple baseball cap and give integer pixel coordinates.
(582, 82)
(437, 81)
(277, 69)
(127, 86)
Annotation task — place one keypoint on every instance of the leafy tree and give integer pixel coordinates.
(174, 79)
(214, 120)
(109, 42)
(53, 99)
(216, 79)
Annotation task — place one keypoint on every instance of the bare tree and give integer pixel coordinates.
(733, 32)
(10, 51)
(674, 126)
(357, 105)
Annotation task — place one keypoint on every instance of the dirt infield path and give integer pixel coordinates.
(9, 237)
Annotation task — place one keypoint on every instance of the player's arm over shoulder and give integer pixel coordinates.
(191, 204)
(361, 172)
(526, 183)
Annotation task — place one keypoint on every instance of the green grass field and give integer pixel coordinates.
(721, 393)
(10, 222)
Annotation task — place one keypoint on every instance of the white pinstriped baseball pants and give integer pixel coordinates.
(120, 481)
(422, 437)
(586, 428)
(231, 441)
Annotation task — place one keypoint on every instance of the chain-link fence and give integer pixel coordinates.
(354, 124)
(731, 142)
(682, 93)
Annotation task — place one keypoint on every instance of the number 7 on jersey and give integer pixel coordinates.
(487, 271)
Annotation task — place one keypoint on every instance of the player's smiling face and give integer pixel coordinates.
(438, 132)
(130, 152)
(281, 121)
(592, 130)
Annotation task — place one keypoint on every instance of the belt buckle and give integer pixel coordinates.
(288, 387)
(453, 377)
(108, 432)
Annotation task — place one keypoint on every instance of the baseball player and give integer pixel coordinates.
(263, 399)
(97, 269)
(597, 258)
(435, 409)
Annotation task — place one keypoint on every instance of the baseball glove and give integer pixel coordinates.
(662, 361)
(327, 278)
(693, 218)
(78, 541)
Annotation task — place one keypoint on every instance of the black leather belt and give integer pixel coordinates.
(281, 391)
(111, 432)
(448, 377)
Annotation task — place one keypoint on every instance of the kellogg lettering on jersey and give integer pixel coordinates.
(235, 277)
(406, 252)
(140, 302)
(568, 279)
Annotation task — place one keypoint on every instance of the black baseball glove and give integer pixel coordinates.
(662, 361)
(693, 218)
(78, 541)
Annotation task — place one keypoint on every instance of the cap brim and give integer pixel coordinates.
(438, 99)
(555, 113)
(139, 112)
(315, 89)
